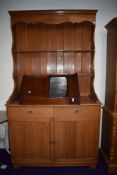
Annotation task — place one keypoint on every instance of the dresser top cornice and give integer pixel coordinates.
(52, 16)
(112, 22)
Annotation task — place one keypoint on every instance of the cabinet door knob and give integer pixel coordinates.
(52, 141)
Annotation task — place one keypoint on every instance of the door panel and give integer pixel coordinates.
(31, 141)
(76, 140)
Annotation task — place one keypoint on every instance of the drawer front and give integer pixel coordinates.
(29, 113)
(74, 112)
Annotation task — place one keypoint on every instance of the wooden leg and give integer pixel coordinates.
(16, 166)
(93, 166)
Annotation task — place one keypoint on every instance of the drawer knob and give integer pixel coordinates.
(77, 111)
(30, 112)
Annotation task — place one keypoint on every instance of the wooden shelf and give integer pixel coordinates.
(80, 74)
(37, 51)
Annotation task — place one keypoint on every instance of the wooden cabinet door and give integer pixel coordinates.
(30, 135)
(76, 134)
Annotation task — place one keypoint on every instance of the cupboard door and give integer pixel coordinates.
(76, 135)
(30, 139)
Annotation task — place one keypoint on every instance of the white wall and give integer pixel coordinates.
(107, 9)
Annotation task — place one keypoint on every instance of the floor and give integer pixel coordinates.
(9, 170)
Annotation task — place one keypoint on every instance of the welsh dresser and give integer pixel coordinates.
(54, 42)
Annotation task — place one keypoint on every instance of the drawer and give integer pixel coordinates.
(30, 113)
(77, 111)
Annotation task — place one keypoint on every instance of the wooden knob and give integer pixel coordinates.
(77, 111)
(30, 112)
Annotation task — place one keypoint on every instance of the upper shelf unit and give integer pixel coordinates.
(49, 42)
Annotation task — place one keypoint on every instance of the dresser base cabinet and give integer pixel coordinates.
(111, 166)
(54, 135)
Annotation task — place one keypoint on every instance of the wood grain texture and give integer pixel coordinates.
(57, 133)
(109, 124)
(65, 48)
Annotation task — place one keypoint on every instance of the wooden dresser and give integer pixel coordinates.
(54, 42)
(109, 122)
